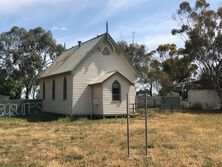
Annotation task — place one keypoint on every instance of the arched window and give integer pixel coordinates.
(116, 91)
(43, 90)
(64, 89)
(53, 90)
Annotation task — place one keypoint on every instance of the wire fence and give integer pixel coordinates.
(161, 102)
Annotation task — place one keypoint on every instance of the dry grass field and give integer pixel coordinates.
(177, 139)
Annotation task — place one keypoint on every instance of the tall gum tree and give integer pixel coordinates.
(200, 27)
(25, 53)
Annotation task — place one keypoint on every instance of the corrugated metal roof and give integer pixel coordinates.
(102, 78)
(70, 58)
(105, 76)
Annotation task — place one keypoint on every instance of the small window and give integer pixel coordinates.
(65, 89)
(43, 90)
(105, 51)
(53, 90)
(116, 91)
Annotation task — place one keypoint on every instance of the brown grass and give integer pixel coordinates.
(174, 140)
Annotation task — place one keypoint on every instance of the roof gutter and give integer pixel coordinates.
(53, 75)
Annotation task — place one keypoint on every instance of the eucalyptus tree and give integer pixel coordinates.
(200, 27)
(25, 53)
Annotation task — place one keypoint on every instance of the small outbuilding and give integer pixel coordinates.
(91, 78)
(206, 98)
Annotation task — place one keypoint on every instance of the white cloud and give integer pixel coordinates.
(11, 6)
(150, 31)
(55, 28)
(8, 7)
(63, 28)
(114, 7)
(152, 42)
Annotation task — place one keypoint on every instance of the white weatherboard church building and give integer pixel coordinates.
(91, 78)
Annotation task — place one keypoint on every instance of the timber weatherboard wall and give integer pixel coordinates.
(93, 66)
(59, 105)
(111, 107)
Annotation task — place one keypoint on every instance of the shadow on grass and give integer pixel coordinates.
(47, 117)
(42, 117)
(194, 111)
(179, 110)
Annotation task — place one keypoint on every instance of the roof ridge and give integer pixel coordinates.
(86, 41)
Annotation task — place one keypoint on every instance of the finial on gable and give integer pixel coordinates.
(107, 27)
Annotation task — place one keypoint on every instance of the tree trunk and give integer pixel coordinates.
(34, 92)
(151, 90)
(27, 93)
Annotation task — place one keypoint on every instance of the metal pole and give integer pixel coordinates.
(146, 125)
(135, 104)
(90, 103)
(171, 107)
(128, 135)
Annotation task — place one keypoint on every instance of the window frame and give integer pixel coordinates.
(53, 89)
(65, 89)
(118, 95)
(43, 90)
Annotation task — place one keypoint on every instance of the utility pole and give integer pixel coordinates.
(128, 135)
(146, 144)
(133, 37)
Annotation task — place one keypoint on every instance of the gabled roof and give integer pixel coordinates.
(71, 58)
(106, 76)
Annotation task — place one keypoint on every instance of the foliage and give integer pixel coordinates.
(175, 67)
(160, 73)
(143, 61)
(200, 27)
(9, 86)
(135, 52)
(24, 54)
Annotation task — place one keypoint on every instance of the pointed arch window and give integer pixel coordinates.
(65, 89)
(43, 90)
(116, 91)
(53, 90)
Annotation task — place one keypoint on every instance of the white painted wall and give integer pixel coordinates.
(111, 107)
(93, 66)
(58, 105)
(132, 94)
(207, 98)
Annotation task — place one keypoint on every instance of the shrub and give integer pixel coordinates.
(74, 156)
(197, 106)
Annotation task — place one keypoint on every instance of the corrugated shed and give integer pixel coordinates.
(70, 58)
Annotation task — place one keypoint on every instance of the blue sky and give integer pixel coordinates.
(73, 20)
